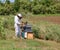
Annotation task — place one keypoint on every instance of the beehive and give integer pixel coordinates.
(30, 35)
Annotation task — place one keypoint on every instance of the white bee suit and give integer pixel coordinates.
(17, 26)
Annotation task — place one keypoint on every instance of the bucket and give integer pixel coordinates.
(23, 34)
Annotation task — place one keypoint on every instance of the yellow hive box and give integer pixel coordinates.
(30, 35)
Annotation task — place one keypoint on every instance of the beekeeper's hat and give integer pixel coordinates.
(20, 15)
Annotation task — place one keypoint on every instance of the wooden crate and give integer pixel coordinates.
(30, 35)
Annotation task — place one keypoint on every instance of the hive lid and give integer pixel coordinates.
(28, 25)
(28, 30)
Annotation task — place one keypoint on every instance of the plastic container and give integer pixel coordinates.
(23, 34)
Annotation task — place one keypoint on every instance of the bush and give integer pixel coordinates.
(2, 32)
(5, 24)
(47, 31)
(36, 9)
(35, 6)
(36, 32)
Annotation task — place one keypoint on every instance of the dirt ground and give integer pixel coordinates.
(53, 19)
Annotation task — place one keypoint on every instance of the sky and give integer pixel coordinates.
(5, 0)
(12, 0)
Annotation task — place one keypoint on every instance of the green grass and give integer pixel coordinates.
(19, 45)
(41, 15)
(48, 29)
(35, 44)
(28, 45)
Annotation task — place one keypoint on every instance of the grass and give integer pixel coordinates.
(25, 44)
(28, 45)
(48, 29)
(41, 15)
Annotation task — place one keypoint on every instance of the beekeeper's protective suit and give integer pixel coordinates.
(17, 21)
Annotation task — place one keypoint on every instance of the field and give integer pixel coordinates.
(35, 44)
(48, 18)
(42, 15)
(55, 20)
(46, 25)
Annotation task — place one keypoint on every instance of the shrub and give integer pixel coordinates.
(36, 9)
(2, 33)
(47, 31)
(36, 32)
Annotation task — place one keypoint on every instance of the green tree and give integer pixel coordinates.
(8, 1)
(17, 5)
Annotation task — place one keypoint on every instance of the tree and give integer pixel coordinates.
(17, 5)
(8, 1)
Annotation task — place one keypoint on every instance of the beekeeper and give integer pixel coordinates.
(17, 21)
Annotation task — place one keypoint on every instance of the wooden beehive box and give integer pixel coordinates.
(30, 35)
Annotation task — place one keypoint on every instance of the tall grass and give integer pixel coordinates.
(6, 23)
(41, 29)
(48, 31)
(44, 29)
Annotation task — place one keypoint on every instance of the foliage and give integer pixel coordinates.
(2, 32)
(41, 29)
(36, 32)
(47, 31)
(16, 5)
(35, 7)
